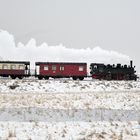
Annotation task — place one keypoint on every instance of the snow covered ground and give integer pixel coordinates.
(65, 86)
(31, 109)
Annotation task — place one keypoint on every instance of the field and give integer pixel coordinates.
(64, 109)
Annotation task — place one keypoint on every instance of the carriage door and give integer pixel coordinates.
(61, 70)
(37, 70)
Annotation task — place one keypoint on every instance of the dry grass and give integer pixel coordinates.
(11, 134)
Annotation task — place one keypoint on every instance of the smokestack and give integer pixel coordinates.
(131, 63)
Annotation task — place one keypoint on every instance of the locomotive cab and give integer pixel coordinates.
(97, 70)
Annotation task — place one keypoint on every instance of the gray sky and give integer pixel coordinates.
(111, 24)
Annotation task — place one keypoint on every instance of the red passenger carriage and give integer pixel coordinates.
(15, 69)
(61, 70)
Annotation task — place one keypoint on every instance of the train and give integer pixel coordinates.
(76, 71)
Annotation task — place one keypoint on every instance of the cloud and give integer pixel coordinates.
(44, 52)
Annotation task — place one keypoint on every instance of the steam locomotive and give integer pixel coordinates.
(46, 70)
(112, 72)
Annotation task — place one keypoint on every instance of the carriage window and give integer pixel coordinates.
(53, 67)
(5, 67)
(81, 68)
(13, 67)
(46, 68)
(21, 67)
(61, 68)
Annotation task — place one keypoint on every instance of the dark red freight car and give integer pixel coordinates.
(61, 70)
(14, 69)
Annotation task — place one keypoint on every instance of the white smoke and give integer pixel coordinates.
(32, 52)
(1, 59)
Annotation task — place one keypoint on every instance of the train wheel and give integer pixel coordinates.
(74, 78)
(81, 78)
(20, 77)
(47, 78)
(13, 77)
(108, 77)
(126, 77)
(40, 77)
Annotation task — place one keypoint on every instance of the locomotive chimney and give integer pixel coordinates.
(131, 63)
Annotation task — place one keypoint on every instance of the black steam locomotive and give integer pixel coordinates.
(112, 72)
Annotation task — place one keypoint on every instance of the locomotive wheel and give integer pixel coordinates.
(81, 78)
(74, 78)
(126, 77)
(108, 77)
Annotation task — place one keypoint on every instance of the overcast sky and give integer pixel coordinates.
(111, 24)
